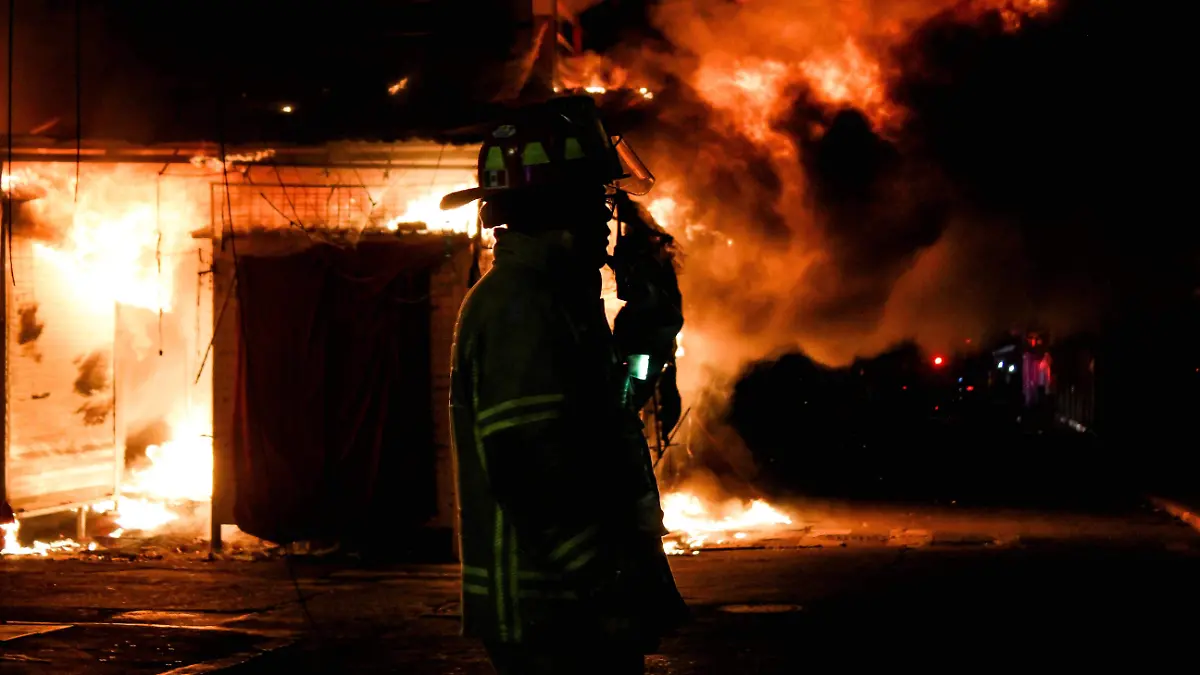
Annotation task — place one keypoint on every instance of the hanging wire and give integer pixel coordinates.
(8, 202)
(79, 96)
(227, 217)
(158, 248)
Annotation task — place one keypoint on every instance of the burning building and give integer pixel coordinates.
(265, 333)
(201, 335)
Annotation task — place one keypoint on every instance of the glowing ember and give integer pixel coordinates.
(696, 524)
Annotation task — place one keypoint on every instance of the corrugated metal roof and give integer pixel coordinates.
(402, 154)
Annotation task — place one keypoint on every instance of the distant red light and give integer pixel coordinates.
(970, 387)
(937, 360)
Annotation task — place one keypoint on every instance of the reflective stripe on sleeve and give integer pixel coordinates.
(518, 405)
(517, 412)
(576, 551)
(489, 429)
(583, 558)
(477, 572)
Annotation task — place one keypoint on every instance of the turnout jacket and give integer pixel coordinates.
(560, 519)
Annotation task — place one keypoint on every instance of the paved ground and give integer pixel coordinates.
(970, 592)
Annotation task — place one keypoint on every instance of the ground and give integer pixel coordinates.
(942, 590)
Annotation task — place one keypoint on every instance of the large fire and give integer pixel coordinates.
(123, 240)
(747, 61)
(112, 254)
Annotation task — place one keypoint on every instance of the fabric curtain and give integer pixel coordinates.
(334, 429)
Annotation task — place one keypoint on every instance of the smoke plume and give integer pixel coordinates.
(846, 176)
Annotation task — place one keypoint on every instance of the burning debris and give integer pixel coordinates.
(12, 546)
(696, 524)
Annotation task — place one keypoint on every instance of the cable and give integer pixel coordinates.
(79, 111)
(8, 208)
(288, 197)
(157, 246)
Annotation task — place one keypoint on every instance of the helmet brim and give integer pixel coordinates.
(459, 199)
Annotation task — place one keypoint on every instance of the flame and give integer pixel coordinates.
(119, 238)
(751, 95)
(179, 471)
(427, 209)
(13, 547)
(120, 241)
(696, 523)
(675, 213)
(848, 77)
(592, 73)
(215, 165)
(101, 260)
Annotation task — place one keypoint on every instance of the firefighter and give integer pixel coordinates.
(563, 569)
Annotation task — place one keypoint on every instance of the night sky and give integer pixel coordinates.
(164, 72)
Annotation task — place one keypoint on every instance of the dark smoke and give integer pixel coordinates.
(1023, 185)
(31, 328)
(95, 413)
(93, 374)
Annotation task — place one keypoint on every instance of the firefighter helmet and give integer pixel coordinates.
(557, 143)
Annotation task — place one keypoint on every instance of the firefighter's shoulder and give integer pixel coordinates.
(506, 297)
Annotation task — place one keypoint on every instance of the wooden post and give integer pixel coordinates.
(224, 383)
(120, 389)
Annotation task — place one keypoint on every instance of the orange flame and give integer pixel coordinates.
(750, 93)
(426, 209)
(120, 243)
(849, 78)
(697, 523)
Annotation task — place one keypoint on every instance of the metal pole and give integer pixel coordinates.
(4, 436)
(118, 407)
